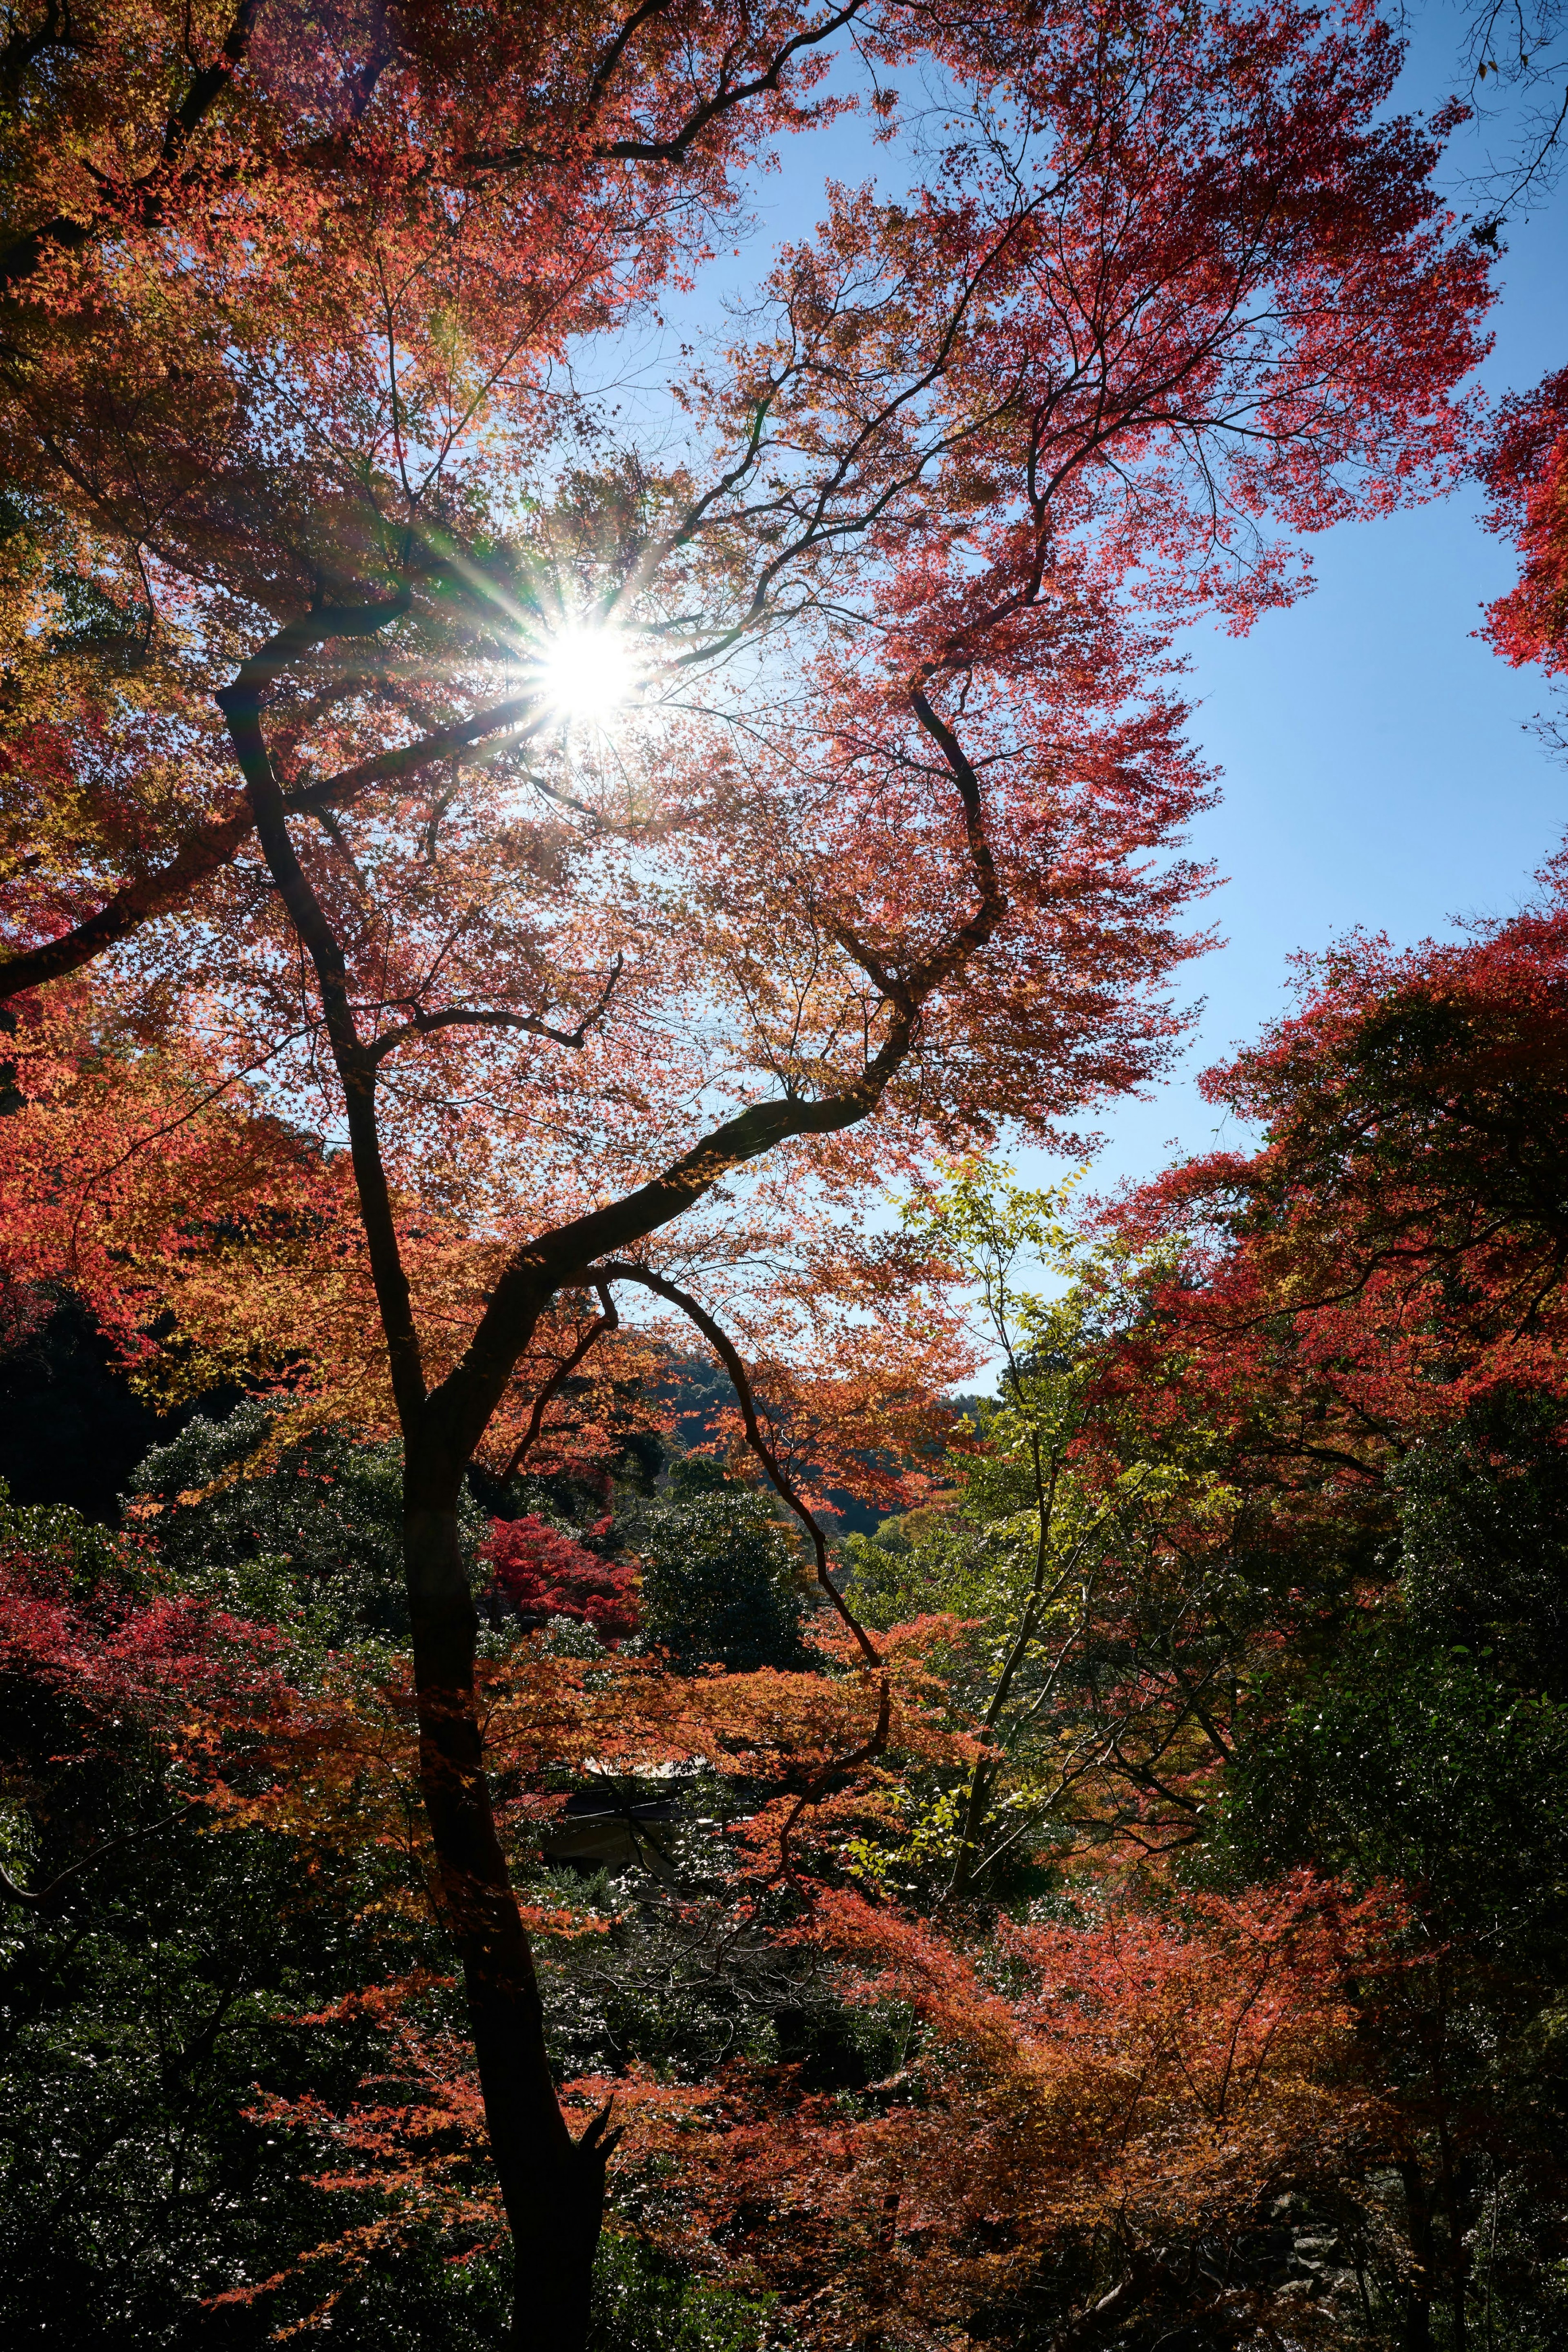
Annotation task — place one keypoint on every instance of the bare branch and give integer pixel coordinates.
(459, 1016)
(607, 1320)
(620, 1270)
(35, 1899)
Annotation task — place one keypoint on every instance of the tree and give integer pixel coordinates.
(1083, 2127)
(1060, 1548)
(872, 862)
(1395, 1250)
(1364, 1318)
(1398, 1757)
(545, 1573)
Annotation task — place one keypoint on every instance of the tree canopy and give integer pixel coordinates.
(496, 872)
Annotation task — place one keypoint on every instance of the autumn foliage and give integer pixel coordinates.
(117, 1649)
(392, 1036)
(1394, 1253)
(544, 1573)
(1151, 2072)
(1526, 471)
(1142, 2077)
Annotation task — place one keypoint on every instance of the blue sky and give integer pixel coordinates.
(1376, 766)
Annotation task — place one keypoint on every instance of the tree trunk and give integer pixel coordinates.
(552, 2186)
(1459, 2202)
(1418, 2297)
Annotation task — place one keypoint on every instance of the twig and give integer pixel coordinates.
(35, 1898)
(725, 1348)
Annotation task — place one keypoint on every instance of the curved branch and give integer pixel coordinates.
(723, 1348)
(621, 1270)
(215, 844)
(474, 1016)
(22, 49)
(609, 1320)
(993, 904)
(36, 1898)
(676, 147)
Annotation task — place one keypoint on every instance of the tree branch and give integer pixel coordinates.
(609, 1320)
(619, 1270)
(725, 1348)
(458, 1017)
(67, 234)
(556, 1259)
(22, 49)
(241, 705)
(35, 1899)
(217, 843)
(203, 852)
(677, 146)
(208, 85)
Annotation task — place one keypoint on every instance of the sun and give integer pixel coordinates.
(588, 675)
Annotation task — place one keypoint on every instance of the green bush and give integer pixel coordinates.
(318, 1536)
(721, 1583)
(642, 2305)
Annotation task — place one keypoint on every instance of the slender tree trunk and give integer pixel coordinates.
(976, 1802)
(1458, 2200)
(552, 2186)
(1418, 2300)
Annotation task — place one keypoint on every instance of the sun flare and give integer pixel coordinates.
(589, 674)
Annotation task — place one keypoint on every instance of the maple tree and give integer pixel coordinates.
(1057, 2125)
(1139, 2080)
(364, 1012)
(1525, 468)
(545, 1573)
(1392, 1252)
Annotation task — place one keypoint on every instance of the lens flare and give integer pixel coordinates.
(589, 675)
